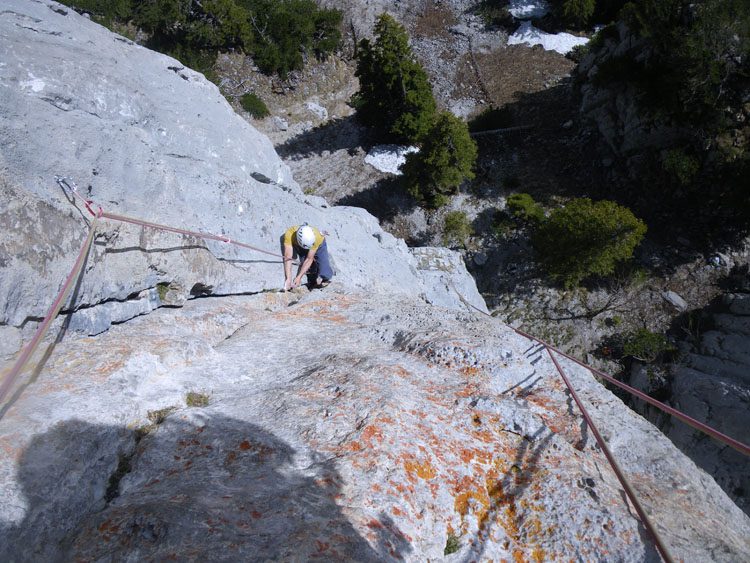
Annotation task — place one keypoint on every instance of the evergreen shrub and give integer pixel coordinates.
(444, 161)
(395, 94)
(278, 33)
(579, 10)
(586, 238)
(645, 345)
(104, 12)
(457, 228)
(523, 206)
(681, 166)
(252, 104)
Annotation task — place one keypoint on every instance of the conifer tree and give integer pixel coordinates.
(579, 10)
(394, 91)
(444, 161)
(586, 238)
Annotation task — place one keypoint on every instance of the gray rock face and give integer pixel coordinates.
(146, 138)
(357, 423)
(337, 426)
(714, 387)
(447, 277)
(615, 109)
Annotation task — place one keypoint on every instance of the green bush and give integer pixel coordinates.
(688, 64)
(457, 229)
(252, 104)
(523, 206)
(103, 11)
(495, 12)
(585, 238)
(681, 166)
(286, 30)
(452, 544)
(278, 33)
(579, 10)
(395, 94)
(645, 345)
(196, 399)
(444, 161)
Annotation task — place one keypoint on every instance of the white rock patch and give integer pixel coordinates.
(388, 158)
(563, 43)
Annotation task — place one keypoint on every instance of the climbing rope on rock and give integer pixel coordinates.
(52, 313)
(69, 185)
(629, 491)
(728, 440)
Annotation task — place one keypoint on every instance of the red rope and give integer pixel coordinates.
(57, 305)
(221, 238)
(728, 440)
(736, 444)
(615, 466)
(600, 440)
(51, 314)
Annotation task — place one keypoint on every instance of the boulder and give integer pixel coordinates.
(677, 302)
(447, 278)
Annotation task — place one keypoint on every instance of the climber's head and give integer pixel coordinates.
(306, 237)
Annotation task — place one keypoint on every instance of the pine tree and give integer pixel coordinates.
(585, 238)
(579, 10)
(444, 161)
(394, 91)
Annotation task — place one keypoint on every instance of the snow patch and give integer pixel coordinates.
(388, 158)
(563, 43)
(527, 9)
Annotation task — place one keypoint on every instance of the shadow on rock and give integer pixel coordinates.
(507, 492)
(198, 487)
(344, 133)
(385, 200)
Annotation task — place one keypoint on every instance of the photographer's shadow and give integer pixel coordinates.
(196, 488)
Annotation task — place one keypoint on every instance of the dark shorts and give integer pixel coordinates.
(324, 264)
(321, 266)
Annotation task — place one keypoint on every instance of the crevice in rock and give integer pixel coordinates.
(123, 468)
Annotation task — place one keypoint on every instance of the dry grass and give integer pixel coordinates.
(434, 21)
(517, 69)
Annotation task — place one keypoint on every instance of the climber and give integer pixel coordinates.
(312, 251)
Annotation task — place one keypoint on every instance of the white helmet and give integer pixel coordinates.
(306, 237)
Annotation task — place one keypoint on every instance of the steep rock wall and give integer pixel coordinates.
(712, 384)
(145, 137)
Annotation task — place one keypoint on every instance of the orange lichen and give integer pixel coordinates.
(371, 433)
(352, 447)
(462, 504)
(423, 470)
